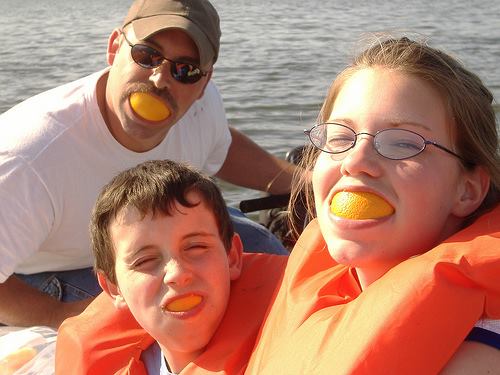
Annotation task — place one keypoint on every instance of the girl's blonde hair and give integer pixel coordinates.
(469, 102)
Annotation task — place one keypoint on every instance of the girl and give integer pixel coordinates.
(405, 155)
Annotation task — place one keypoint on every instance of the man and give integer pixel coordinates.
(57, 149)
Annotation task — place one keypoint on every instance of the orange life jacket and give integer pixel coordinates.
(410, 321)
(104, 340)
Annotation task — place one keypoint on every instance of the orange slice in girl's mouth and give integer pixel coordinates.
(360, 205)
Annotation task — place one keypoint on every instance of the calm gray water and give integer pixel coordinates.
(277, 57)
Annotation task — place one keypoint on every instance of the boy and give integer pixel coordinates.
(165, 250)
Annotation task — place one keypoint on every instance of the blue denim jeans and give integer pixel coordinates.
(255, 237)
(74, 285)
(66, 286)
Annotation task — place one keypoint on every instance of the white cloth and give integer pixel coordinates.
(56, 153)
(492, 325)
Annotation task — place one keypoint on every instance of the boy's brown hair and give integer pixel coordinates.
(152, 187)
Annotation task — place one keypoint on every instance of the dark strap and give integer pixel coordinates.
(484, 336)
(264, 203)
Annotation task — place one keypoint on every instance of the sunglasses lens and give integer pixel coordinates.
(185, 73)
(146, 56)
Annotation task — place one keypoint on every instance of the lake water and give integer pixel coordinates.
(276, 61)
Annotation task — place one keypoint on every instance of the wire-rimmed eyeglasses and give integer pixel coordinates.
(391, 143)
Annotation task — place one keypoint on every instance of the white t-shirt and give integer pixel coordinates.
(56, 153)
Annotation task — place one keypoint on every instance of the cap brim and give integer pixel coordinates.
(149, 26)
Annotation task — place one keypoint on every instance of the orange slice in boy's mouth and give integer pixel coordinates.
(360, 205)
(148, 106)
(184, 304)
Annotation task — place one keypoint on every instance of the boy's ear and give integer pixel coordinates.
(235, 257)
(111, 290)
(474, 187)
(113, 46)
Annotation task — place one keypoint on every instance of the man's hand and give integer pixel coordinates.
(22, 305)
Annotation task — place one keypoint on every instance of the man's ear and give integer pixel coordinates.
(111, 290)
(113, 46)
(473, 190)
(235, 257)
(209, 76)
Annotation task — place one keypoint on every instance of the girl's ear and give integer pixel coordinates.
(113, 46)
(235, 257)
(473, 190)
(111, 290)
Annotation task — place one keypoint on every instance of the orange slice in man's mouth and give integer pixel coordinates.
(148, 106)
(184, 304)
(360, 205)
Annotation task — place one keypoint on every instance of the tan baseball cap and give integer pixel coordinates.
(198, 18)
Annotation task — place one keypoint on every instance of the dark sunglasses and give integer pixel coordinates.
(150, 58)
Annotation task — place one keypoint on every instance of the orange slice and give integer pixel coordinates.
(184, 304)
(17, 359)
(360, 205)
(148, 106)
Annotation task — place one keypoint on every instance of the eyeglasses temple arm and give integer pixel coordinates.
(446, 150)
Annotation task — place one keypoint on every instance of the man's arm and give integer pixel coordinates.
(473, 358)
(22, 305)
(248, 165)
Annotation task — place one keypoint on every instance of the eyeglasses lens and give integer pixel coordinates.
(332, 138)
(146, 56)
(398, 144)
(185, 73)
(317, 135)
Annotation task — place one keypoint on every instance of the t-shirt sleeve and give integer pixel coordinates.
(26, 216)
(221, 136)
